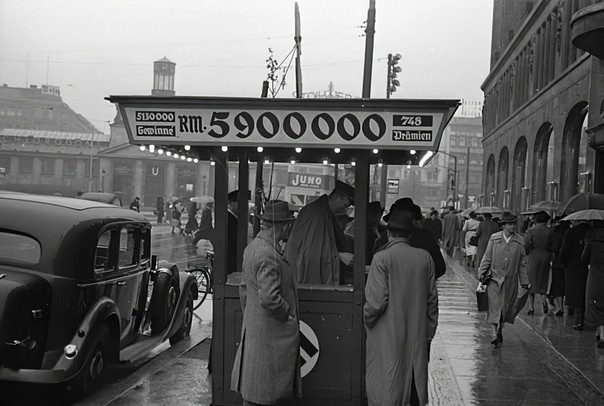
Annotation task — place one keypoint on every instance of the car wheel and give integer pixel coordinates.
(187, 320)
(163, 302)
(95, 367)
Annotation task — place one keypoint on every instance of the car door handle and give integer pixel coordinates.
(122, 283)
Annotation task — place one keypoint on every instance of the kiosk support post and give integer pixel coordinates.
(219, 273)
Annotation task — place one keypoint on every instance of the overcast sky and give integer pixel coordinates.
(96, 48)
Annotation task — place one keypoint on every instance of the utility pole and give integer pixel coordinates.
(369, 32)
(467, 176)
(91, 156)
(298, 40)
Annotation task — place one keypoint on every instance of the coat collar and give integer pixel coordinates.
(268, 237)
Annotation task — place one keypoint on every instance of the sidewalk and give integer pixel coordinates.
(542, 361)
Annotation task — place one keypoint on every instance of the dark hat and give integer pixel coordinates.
(541, 216)
(400, 220)
(345, 189)
(277, 211)
(375, 207)
(507, 217)
(405, 204)
(234, 196)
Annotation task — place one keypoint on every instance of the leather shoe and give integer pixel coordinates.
(559, 313)
(531, 311)
(578, 326)
(495, 341)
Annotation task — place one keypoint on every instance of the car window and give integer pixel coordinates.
(101, 259)
(19, 248)
(127, 247)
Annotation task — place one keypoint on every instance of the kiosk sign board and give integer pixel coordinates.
(356, 123)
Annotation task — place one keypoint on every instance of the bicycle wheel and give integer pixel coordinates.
(203, 281)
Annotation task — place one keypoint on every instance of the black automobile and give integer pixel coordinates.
(79, 288)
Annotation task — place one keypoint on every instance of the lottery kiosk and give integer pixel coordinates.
(251, 133)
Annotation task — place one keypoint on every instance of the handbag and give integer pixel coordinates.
(473, 241)
(482, 301)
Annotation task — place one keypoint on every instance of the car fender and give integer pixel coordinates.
(103, 309)
(187, 282)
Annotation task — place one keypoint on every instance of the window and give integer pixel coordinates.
(47, 166)
(101, 258)
(127, 247)
(19, 248)
(70, 166)
(26, 164)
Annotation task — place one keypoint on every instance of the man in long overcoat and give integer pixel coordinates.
(317, 247)
(401, 315)
(505, 261)
(450, 235)
(485, 229)
(267, 363)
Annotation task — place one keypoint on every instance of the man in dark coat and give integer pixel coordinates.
(420, 238)
(486, 228)
(266, 370)
(434, 225)
(136, 205)
(575, 273)
(232, 220)
(450, 235)
(317, 244)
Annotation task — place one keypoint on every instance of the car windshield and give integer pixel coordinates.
(19, 248)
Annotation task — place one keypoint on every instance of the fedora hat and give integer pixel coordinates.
(507, 218)
(400, 220)
(405, 204)
(276, 211)
(345, 189)
(375, 207)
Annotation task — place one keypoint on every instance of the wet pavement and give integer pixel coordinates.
(542, 360)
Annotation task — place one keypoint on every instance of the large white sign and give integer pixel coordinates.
(286, 123)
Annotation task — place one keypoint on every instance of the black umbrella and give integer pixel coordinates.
(581, 201)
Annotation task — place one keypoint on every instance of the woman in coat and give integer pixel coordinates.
(469, 229)
(593, 254)
(267, 363)
(401, 315)
(538, 243)
(503, 268)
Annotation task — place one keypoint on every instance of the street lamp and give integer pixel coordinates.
(452, 182)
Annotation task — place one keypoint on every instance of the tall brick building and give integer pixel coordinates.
(542, 113)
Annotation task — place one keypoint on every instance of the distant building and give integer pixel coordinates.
(46, 147)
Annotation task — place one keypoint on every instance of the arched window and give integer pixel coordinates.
(574, 150)
(518, 173)
(540, 164)
(502, 174)
(490, 180)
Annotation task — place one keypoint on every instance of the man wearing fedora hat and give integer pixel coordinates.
(420, 237)
(502, 269)
(267, 365)
(401, 316)
(318, 249)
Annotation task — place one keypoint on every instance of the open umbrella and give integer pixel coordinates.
(589, 214)
(581, 201)
(550, 206)
(494, 210)
(202, 199)
(466, 213)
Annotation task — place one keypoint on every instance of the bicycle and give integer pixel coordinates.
(204, 279)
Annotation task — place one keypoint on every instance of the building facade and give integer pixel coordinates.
(538, 116)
